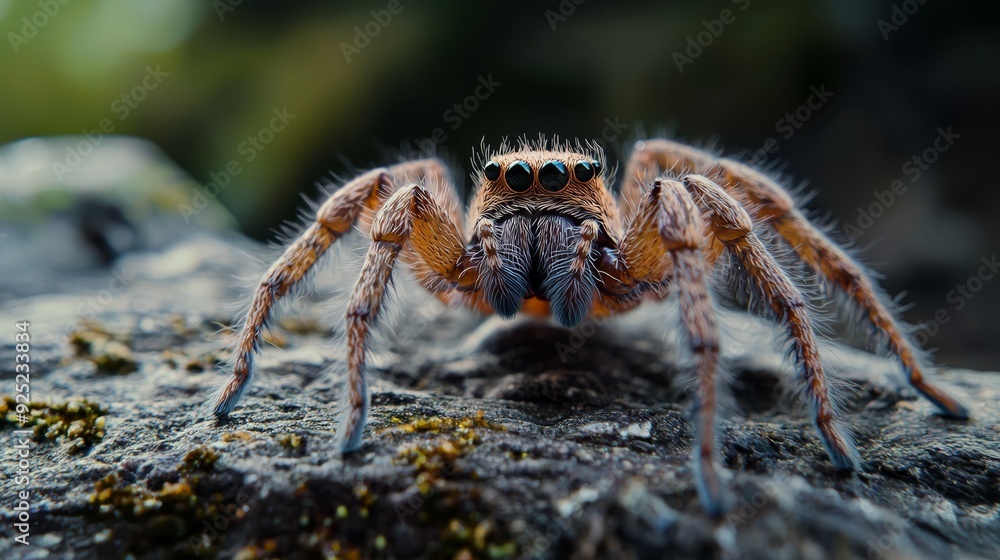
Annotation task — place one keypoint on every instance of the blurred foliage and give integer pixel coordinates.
(564, 68)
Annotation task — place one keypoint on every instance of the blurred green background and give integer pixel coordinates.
(200, 78)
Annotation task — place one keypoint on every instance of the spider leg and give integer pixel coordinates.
(729, 222)
(667, 234)
(839, 270)
(410, 217)
(334, 218)
(770, 204)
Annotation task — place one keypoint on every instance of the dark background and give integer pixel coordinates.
(567, 73)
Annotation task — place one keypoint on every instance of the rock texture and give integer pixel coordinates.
(487, 439)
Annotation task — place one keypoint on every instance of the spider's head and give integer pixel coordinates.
(536, 206)
(545, 182)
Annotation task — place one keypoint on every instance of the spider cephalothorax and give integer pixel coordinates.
(539, 215)
(544, 235)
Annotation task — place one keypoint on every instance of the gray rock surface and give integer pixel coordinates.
(581, 449)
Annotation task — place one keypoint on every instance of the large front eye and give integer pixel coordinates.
(519, 176)
(553, 176)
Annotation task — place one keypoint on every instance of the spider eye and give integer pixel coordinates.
(553, 176)
(519, 176)
(584, 171)
(598, 168)
(491, 170)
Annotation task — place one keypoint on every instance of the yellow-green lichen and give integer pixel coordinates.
(201, 458)
(450, 517)
(462, 539)
(289, 441)
(114, 498)
(109, 353)
(465, 531)
(193, 364)
(174, 517)
(459, 436)
(79, 423)
(237, 436)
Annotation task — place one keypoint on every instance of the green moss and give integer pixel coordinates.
(201, 458)
(113, 498)
(173, 518)
(450, 518)
(437, 424)
(290, 441)
(461, 539)
(459, 436)
(193, 364)
(109, 353)
(459, 516)
(79, 423)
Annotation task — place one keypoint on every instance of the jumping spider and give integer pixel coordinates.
(545, 236)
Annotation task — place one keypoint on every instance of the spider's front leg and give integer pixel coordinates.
(334, 218)
(410, 217)
(666, 237)
(731, 224)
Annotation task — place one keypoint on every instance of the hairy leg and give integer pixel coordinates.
(771, 205)
(334, 218)
(410, 217)
(732, 225)
(667, 223)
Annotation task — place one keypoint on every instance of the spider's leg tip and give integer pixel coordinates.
(350, 429)
(948, 406)
(222, 405)
(717, 507)
(345, 452)
(955, 411)
(348, 445)
(845, 458)
(715, 497)
(840, 446)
